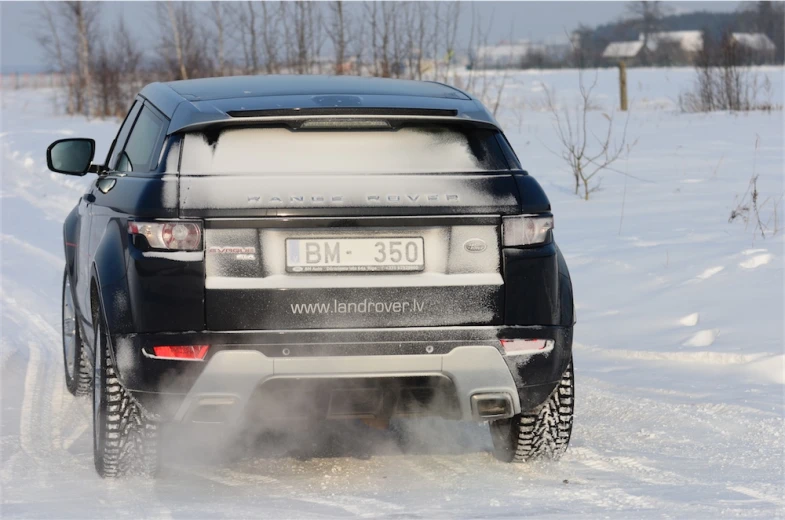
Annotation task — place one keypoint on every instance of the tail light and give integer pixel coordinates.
(169, 236)
(526, 230)
(194, 352)
(526, 346)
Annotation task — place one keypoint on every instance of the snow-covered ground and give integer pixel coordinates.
(679, 361)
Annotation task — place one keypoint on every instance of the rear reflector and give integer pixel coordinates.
(520, 346)
(197, 352)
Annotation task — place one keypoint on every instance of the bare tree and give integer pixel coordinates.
(586, 152)
(372, 24)
(69, 41)
(117, 71)
(705, 98)
(182, 47)
(450, 21)
(417, 37)
(219, 38)
(357, 45)
(302, 23)
(379, 21)
(400, 46)
(50, 41)
(722, 81)
(270, 38)
(646, 16)
(84, 17)
(245, 18)
(177, 39)
(337, 31)
(480, 82)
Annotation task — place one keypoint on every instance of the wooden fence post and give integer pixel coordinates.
(623, 85)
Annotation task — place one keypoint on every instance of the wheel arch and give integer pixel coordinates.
(109, 274)
(109, 292)
(566, 299)
(71, 240)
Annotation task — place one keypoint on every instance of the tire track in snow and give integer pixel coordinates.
(51, 259)
(29, 427)
(361, 507)
(610, 414)
(38, 380)
(777, 501)
(630, 466)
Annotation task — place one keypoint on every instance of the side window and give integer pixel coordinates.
(140, 152)
(122, 135)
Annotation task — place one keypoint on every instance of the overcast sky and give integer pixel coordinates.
(546, 21)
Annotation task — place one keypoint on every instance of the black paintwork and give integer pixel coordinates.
(239, 87)
(194, 103)
(149, 300)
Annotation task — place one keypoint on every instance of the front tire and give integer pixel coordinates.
(124, 439)
(78, 373)
(543, 432)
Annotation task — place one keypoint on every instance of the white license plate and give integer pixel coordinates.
(354, 254)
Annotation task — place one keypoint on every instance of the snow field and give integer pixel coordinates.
(678, 357)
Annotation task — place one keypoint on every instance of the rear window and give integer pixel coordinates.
(276, 150)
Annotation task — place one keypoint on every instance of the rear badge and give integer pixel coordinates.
(475, 245)
(240, 253)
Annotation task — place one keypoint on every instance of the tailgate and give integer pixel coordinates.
(449, 275)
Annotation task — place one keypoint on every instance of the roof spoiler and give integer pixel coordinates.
(300, 116)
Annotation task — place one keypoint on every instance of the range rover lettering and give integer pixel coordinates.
(372, 244)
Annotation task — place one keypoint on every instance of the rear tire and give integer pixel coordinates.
(78, 372)
(125, 440)
(543, 432)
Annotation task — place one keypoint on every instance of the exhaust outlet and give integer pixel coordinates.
(492, 406)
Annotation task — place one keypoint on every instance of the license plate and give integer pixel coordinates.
(305, 255)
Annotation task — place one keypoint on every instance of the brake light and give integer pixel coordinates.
(526, 230)
(170, 236)
(196, 352)
(531, 346)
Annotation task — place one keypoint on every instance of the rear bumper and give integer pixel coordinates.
(470, 359)
(231, 378)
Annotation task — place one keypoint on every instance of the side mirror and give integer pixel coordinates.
(70, 156)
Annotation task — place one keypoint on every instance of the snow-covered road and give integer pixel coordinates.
(679, 359)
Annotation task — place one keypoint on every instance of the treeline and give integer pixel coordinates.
(105, 65)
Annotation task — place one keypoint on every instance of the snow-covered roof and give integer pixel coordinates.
(507, 50)
(622, 49)
(689, 41)
(756, 41)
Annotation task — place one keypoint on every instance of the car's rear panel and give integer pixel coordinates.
(248, 285)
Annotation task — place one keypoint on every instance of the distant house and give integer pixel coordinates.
(757, 47)
(666, 48)
(675, 47)
(507, 54)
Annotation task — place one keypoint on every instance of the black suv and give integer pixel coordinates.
(271, 248)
